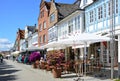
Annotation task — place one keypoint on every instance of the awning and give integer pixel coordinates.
(15, 53)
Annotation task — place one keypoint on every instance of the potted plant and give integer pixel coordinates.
(55, 59)
(56, 71)
(34, 59)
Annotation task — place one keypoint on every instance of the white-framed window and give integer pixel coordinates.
(44, 24)
(100, 11)
(40, 26)
(109, 8)
(70, 26)
(59, 30)
(116, 6)
(77, 22)
(52, 17)
(91, 16)
(85, 1)
(95, 14)
(104, 10)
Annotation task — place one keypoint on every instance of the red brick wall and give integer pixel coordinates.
(41, 21)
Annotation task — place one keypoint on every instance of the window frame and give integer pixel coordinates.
(44, 38)
(40, 26)
(44, 25)
(100, 12)
(52, 17)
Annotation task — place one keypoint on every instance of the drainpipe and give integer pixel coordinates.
(119, 56)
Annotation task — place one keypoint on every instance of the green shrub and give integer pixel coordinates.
(0, 55)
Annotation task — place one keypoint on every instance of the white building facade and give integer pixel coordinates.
(71, 25)
(99, 19)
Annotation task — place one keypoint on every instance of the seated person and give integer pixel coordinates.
(41, 60)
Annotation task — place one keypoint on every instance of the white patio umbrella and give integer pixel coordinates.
(55, 45)
(84, 39)
(33, 48)
(15, 53)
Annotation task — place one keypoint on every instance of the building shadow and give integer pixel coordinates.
(104, 74)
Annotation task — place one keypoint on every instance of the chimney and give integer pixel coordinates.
(52, 0)
(35, 25)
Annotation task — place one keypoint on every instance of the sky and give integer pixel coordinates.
(16, 14)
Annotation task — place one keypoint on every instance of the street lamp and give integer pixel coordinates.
(112, 37)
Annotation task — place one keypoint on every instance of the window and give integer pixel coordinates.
(42, 13)
(109, 8)
(85, 1)
(44, 38)
(40, 39)
(52, 17)
(40, 26)
(44, 24)
(91, 16)
(95, 14)
(116, 6)
(104, 10)
(77, 22)
(50, 34)
(100, 16)
(70, 26)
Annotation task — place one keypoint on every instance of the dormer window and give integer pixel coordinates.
(52, 17)
(85, 1)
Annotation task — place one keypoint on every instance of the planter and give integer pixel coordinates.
(34, 65)
(56, 72)
(37, 64)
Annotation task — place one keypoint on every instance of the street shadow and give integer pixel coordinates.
(7, 72)
(105, 74)
(8, 78)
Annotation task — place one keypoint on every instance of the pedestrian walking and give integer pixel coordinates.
(14, 58)
(1, 59)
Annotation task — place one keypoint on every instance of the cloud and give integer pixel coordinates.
(5, 44)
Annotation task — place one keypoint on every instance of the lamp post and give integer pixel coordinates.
(112, 35)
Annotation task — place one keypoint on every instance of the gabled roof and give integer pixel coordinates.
(31, 28)
(47, 5)
(21, 33)
(65, 9)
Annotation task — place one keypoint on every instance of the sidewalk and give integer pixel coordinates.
(44, 75)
